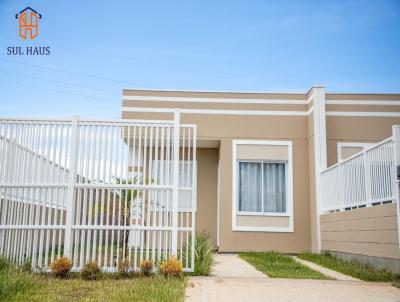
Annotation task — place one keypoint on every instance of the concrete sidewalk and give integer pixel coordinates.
(235, 280)
(230, 265)
(326, 271)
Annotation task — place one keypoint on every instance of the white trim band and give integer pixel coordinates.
(364, 102)
(212, 100)
(215, 111)
(362, 113)
(260, 112)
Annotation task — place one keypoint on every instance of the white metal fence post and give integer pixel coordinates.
(396, 142)
(367, 179)
(71, 187)
(174, 247)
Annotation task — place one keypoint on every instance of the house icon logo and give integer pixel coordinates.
(28, 23)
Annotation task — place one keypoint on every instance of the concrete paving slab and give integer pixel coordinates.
(326, 271)
(230, 265)
(231, 289)
(234, 280)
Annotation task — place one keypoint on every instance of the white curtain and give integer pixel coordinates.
(274, 187)
(262, 187)
(250, 198)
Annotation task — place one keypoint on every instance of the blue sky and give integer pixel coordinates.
(100, 47)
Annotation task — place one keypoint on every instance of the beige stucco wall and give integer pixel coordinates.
(297, 241)
(368, 231)
(363, 129)
(207, 169)
(356, 129)
(262, 221)
(262, 152)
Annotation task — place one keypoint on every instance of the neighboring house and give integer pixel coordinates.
(259, 158)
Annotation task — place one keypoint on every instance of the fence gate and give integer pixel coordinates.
(106, 191)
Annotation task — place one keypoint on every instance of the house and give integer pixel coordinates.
(261, 161)
(291, 172)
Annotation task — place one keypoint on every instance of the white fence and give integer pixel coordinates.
(364, 179)
(104, 191)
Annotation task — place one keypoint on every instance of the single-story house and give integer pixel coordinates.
(259, 163)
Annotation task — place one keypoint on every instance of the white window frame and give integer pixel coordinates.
(181, 188)
(340, 146)
(289, 188)
(262, 213)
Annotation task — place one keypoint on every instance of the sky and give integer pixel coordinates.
(98, 48)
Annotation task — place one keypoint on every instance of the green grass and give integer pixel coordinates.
(352, 268)
(277, 265)
(16, 285)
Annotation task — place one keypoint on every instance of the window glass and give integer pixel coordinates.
(274, 198)
(262, 187)
(250, 198)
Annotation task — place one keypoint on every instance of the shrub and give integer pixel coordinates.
(4, 264)
(171, 267)
(146, 267)
(61, 267)
(91, 271)
(203, 254)
(123, 268)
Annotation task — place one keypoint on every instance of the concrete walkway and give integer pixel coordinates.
(230, 265)
(235, 280)
(326, 271)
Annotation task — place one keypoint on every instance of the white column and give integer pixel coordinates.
(396, 140)
(71, 187)
(318, 96)
(174, 247)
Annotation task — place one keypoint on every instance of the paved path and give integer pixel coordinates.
(235, 280)
(230, 265)
(326, 271)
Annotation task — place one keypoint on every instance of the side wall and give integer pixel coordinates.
(359, 118)
(366, 234)
(207, 173)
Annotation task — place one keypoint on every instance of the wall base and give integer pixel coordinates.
(377, 262)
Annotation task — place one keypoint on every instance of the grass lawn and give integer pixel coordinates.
(22, 286)
(277, 265)
(352, 268)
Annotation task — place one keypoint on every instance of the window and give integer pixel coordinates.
(262, 187)
(348, 149)
(164, 175)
